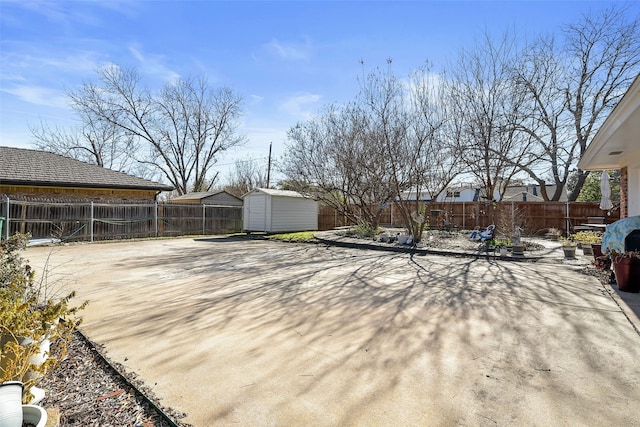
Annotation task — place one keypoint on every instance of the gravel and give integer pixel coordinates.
(87, 391)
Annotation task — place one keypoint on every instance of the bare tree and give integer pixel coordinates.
(389, 141)
(571, 88)
(486, 110)
(181, 129)
(95, 141)
(413, 129)
(246, 175)
(334, 158)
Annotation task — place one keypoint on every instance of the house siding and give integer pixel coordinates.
(631, 192)
(222, 199)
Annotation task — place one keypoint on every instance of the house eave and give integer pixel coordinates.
(48, 184)
(617, 142)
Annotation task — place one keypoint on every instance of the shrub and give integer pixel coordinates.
(28, 316)
(364, 231)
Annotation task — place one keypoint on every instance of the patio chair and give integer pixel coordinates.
(482, 236)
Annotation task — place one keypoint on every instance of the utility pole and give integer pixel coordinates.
(269, 166)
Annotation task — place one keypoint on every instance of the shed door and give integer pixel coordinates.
(257, 213)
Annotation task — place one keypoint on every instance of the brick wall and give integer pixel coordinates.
(55, 194)
(624, 192)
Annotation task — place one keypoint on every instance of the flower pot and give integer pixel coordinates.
(38, 358)
(11, 404)
(35, 415)
(627, 272)
(503, 251)
(569, 251)
(586, 249)
(596, 248)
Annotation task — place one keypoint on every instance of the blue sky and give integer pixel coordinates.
(287, 59)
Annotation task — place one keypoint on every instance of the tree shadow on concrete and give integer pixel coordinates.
(335, 336)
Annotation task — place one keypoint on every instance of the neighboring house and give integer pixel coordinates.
(513, 193)
(31, 174)
(276, 211)
(217, 198)
(617, 146)
(528, 193)
(451, 195)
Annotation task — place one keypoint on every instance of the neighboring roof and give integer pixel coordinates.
(199, 195)
(277, 193)
(514, 193)
(19, 166)
(615, 145)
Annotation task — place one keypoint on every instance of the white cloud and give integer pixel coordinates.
(290, 50)
(301, 106)
(153, 64)
(255, 99)
(38, 95)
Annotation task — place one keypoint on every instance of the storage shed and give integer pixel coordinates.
(278, 211)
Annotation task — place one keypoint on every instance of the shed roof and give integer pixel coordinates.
(20, 166)
(277, 193)
(199, 195)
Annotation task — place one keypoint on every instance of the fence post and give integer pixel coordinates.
(204, 218)
(91, 222)
(6, 230)
(464, 216)
(155, 218)
(567, 221)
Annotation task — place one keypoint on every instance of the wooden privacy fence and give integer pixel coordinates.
(532, 217)
(108, 221)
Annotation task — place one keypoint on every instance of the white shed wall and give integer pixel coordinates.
(276, 214)
(293, 214)
(255, 212)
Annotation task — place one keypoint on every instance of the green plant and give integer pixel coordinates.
(302, 236)
(587, 237)
(28, 316)
(364, 230)
(626, 254)
(567, 242)
(501, 243)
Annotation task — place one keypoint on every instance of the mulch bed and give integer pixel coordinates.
(88, 391)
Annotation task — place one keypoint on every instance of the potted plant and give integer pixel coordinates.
(30, 320)
(568, 247)
(626, 266)
(501, 246)
(554, 234)
(588, 239)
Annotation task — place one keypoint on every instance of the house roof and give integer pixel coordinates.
(19, 166)
(533, 193)
(615, 145)
(199, 195)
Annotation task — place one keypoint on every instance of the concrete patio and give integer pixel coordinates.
(252, 332)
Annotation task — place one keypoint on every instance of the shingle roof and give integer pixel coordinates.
(202, 195)
(19, 166)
